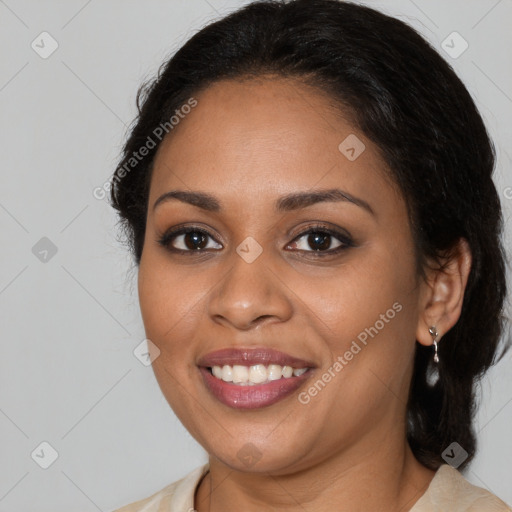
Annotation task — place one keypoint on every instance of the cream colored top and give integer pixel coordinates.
(448, 491)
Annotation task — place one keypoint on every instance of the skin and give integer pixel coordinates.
(248, 143)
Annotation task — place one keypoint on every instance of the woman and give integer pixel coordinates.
(308, 196)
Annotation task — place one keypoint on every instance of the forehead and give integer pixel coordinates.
(266, 137)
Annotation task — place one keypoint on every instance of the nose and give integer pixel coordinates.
(250, 294)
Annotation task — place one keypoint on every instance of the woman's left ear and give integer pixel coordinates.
(443, 293)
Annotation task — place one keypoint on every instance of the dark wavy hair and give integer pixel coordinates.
(404, 97)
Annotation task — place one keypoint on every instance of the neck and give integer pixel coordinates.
(386, 479)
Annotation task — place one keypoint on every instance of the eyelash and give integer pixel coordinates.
(345, 240)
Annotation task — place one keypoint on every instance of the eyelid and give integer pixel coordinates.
(319, 226)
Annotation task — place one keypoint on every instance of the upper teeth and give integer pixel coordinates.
(256, 374)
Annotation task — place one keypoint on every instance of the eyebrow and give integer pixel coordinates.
(286, 203)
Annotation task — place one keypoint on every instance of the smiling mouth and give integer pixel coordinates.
(240, 391)
(252, 377)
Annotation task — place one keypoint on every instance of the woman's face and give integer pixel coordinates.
(344, 301)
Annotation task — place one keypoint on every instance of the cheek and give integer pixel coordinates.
(355, 296)
(153, 298)
(365, 312)
(170, 313)
(169, 302)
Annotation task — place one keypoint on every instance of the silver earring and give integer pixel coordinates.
(433, 332)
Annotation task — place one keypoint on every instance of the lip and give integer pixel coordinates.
(251, 356)
(252, 397)
(258, 395)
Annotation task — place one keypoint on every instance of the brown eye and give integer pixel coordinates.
(321, 240)
(318, 241)
(187, 240)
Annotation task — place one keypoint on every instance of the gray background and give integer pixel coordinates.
(70, 320)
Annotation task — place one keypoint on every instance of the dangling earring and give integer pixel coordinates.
(433, 332)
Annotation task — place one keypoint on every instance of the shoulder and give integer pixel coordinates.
(449, 490)
(175, 497)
